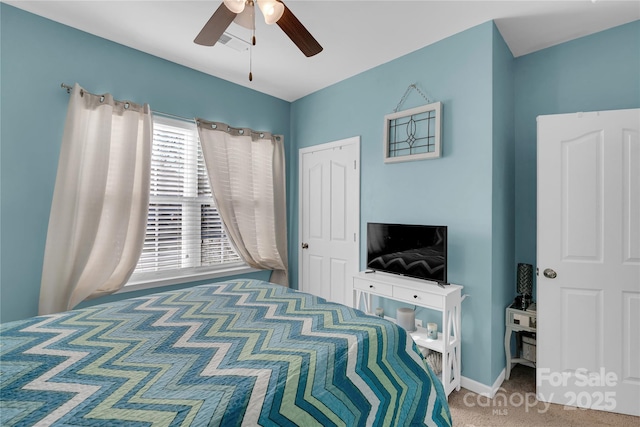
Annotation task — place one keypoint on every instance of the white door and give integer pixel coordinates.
(330, 219)
(588, 297)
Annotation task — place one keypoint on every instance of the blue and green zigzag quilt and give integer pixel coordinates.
(242, 352)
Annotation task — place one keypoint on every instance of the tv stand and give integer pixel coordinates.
(445, 299)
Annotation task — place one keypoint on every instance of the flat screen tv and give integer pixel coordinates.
(418, 251)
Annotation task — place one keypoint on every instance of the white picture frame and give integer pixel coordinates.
(413, 134)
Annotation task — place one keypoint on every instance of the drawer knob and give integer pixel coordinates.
(371, 286)
(415, 296)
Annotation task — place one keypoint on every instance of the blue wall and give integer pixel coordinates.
(597, 72)
(503, 219)
(455, 190)
(38, 55)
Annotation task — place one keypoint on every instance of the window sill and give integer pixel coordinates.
(157, 280)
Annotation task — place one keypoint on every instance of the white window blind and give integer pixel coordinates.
(184, 235)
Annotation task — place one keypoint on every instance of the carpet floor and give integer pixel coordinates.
(515, 405)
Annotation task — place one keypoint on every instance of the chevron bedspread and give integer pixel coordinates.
(241, 352)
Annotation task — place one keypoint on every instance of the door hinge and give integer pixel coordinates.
(354, 165)
(354, 237)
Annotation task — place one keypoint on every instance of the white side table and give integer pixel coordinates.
(518, 320)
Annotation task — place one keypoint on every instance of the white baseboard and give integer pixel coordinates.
(483, 389)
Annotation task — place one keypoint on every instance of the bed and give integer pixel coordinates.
(242, 352)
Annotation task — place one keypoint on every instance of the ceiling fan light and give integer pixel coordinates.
(245, 18)
(235, 6)
(272, 10)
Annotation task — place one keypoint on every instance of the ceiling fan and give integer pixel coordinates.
(241, 11)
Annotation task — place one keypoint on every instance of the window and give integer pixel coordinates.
(185, 239)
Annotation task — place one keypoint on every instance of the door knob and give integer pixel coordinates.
(549, 273)
(305, 246)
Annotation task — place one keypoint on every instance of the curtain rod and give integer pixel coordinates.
(214, 125)
(187, 119)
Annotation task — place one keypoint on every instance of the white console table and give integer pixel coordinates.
(417, 292)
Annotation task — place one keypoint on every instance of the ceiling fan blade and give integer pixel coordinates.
(298, 33)
(215, 26)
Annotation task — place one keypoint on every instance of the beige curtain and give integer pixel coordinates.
(100, 201)
(247, 174)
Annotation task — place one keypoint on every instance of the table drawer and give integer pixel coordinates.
(418, 297)
(373, 287)
(521, 319)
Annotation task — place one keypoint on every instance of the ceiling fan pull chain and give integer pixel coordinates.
(253, 43)
(250, 63)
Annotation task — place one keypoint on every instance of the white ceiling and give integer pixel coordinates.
(356, 35)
